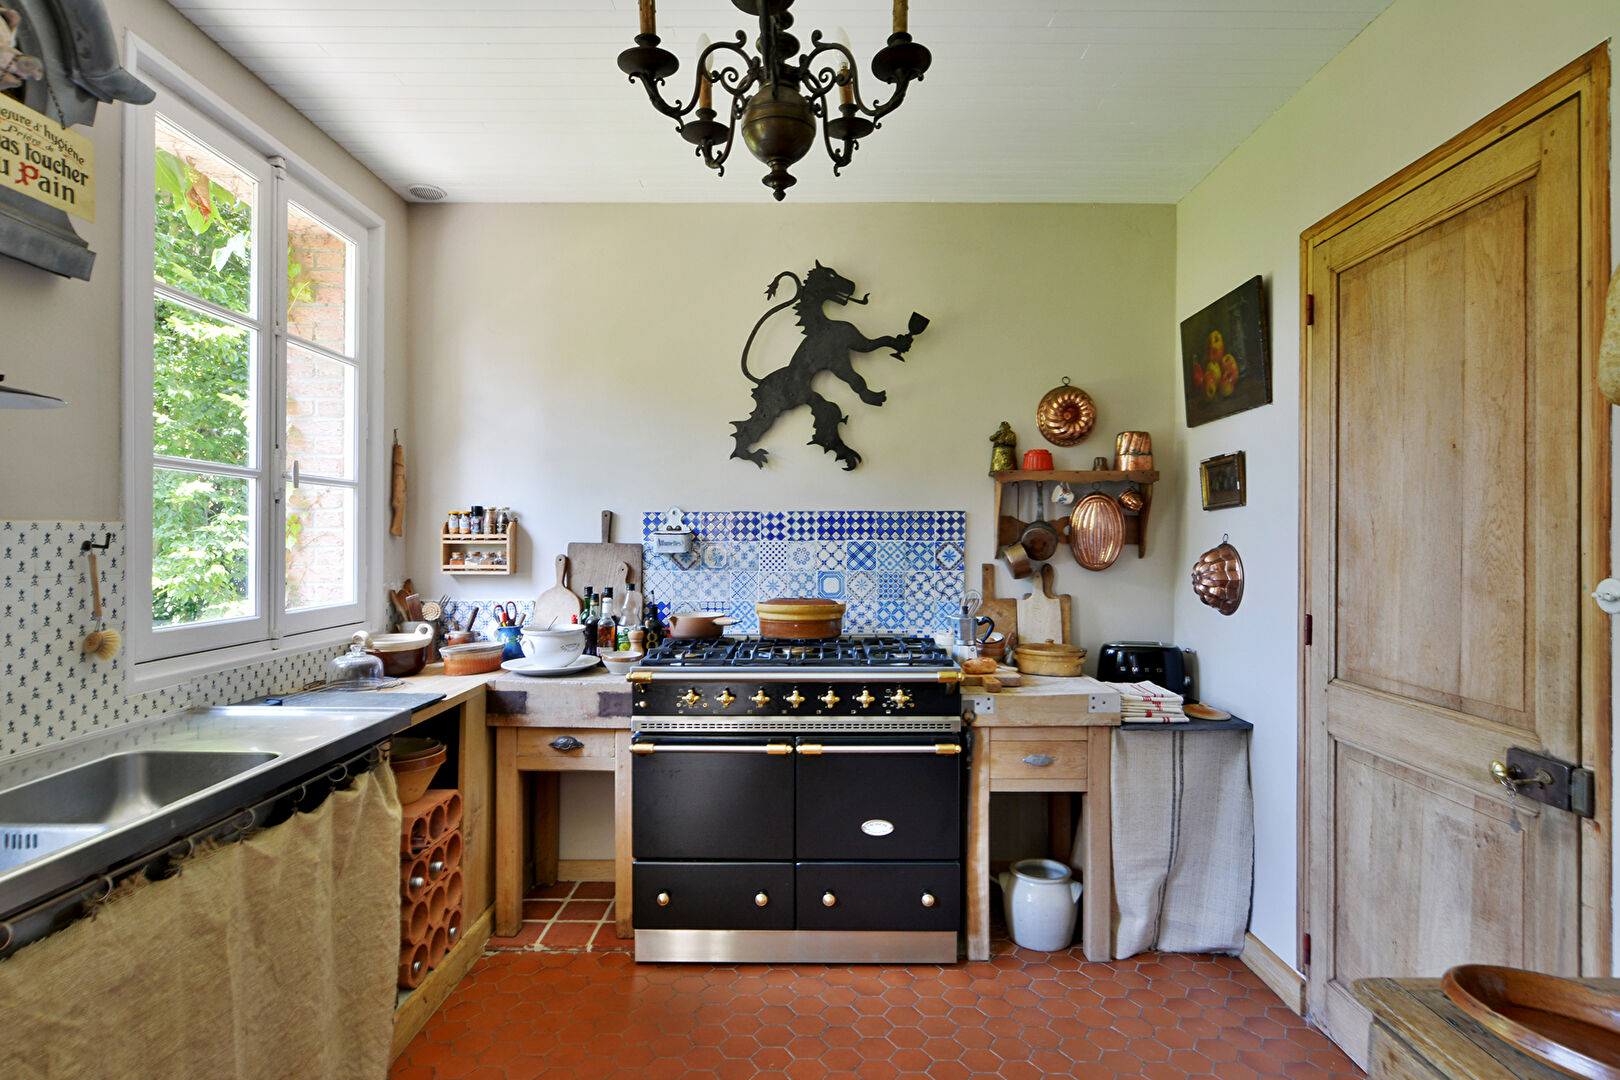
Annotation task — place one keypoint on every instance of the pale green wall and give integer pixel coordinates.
(1419, 74)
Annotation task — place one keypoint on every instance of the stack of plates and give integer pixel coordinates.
(527, 666)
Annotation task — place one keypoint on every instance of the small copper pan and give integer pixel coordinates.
(1016, 560)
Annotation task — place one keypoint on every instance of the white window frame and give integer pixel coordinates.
(164, 657)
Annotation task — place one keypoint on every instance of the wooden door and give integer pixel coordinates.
(1443, 565)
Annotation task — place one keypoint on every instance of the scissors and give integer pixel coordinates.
(507, 613)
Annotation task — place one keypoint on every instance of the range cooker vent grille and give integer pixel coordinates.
(887, 725)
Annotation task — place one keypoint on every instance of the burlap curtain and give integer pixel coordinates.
(275, 958)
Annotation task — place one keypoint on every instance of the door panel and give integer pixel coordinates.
(1442, 506)
(698, 798)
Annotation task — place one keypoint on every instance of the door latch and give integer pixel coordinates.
(1547, 780)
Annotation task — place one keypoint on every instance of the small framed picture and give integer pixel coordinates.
(1223, 481)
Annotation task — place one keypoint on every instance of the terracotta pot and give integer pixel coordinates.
(401, 654)
(476, 658)
(1049, 658)
(698, 624)
(800, 617)
(414, 775)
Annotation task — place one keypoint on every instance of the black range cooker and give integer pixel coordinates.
(797, 801)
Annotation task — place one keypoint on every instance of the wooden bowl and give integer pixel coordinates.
(800, 617)
(994, 647)
(1571, 1026)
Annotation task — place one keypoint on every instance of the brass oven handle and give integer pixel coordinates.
(761, 899)
(928, 899)
(769, 748)
(828, 899)
(937, 748)
(663, 899)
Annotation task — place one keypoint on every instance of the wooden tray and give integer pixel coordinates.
(1564, 1023)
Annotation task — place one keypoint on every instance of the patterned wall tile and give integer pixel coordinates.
(49, 689)
(895, 570)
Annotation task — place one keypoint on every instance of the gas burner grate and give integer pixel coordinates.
(853, 651)
(809, 725)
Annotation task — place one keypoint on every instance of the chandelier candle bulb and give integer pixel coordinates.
(705, 87)
(649, 16)
(846, 90)
(899, 16)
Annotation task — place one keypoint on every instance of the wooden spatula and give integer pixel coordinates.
(558, 602)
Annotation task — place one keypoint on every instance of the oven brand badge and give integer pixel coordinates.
(877, 827)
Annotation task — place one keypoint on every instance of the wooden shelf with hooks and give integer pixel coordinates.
(1009, 525)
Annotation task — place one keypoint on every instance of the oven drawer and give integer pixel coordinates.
(879, 896)
(884, 797)
(711, 798)
(713, 896)
(547, 749)
(1042, 757)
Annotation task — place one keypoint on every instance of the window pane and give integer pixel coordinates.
(202, 386)
(320, 547)
(318, 262)
(204, 241)
(320, 413)
(201, 570)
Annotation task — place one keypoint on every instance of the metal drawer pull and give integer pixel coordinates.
(828, 900)
(938, 748)
(761, 899)
(663, 899)
(928, 899)
(1040, 761)
(648, 748)
(566, 743)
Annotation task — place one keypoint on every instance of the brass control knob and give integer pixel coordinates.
(900, 699)
(760, 899)
(829, 699)
(691, 698)
(663, 899)
(828, 899)
(865, 698)
(928, 899)
(795, 699)
(726, 698)
(761, 699)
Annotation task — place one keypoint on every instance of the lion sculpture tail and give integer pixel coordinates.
(770, 291)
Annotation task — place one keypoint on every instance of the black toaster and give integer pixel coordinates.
(1151, 661)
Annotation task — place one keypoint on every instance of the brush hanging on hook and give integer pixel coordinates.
(101, 643)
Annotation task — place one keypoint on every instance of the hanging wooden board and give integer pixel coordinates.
(597, 565)
(1043, 616)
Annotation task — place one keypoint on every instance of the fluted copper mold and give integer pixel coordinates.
(1217, 577)
(1066, 415)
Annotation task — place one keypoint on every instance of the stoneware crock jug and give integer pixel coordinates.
(1041, 899)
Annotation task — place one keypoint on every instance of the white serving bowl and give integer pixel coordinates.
(556, 647)
(623, 662)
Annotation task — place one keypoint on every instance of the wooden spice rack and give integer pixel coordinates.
(1007, 525)
(502, 542)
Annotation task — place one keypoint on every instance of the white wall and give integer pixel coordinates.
(568, 359)
(1419, 74)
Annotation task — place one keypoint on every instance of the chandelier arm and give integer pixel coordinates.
(842, 158)
(718, 161)
(676, 112)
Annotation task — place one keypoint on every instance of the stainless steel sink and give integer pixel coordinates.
(64, 808)
(75, 810)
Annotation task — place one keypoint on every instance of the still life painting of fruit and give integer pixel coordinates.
(1226, 359)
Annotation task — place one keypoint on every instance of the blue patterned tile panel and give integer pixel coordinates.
(895, 570)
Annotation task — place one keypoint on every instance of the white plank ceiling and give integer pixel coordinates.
(1027, 101)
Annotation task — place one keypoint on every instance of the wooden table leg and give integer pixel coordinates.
(508, 835)
(547, 820)
(978, 853)
(622, 851)
(1097, 904)
(1060, 825)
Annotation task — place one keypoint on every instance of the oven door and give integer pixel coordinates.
(713, 797)
(880, 797)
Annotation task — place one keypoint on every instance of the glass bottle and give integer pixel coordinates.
(651, 623)
(607, 626)
(589, 610)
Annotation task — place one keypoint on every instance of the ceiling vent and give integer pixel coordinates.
(426, 192)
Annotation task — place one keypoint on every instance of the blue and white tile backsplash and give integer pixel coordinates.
(894, 570)
(50, 690)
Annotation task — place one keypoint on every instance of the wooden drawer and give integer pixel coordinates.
(535, 751)
(1019, 759)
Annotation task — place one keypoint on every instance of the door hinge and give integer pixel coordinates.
(1305, 951)
(1307, 628)
(1310, 309)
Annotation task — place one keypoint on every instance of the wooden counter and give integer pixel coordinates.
(1048, 735)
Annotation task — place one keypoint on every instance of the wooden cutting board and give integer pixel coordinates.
(1004, 612)
(1043, 616)
(558, 602)
(596, 566)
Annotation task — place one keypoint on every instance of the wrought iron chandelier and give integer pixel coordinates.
(775, 98)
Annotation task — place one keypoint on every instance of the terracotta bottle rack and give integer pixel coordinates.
(430, 889)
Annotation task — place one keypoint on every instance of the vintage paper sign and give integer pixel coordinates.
(46, 161)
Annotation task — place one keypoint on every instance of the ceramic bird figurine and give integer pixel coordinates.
(1004, 457)
(14, 66)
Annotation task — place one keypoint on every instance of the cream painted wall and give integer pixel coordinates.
(62, 337)
(1419, 74)
(569, 359)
